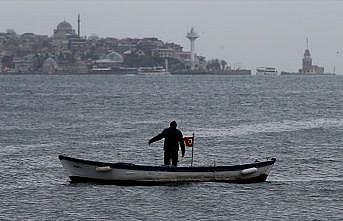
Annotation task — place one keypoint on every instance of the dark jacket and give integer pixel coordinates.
(172, 138)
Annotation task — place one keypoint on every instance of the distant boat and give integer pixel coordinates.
(153, 70)
(229, 72)
(266, 71)
(233, 72)
(191, 72)
(115, 71)
(80, 170)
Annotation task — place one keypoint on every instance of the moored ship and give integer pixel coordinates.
(234, 72)
(266, 71)
(109, 70)
(230, 72)
(153, 71)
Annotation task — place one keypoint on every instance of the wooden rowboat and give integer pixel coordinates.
(80, 170)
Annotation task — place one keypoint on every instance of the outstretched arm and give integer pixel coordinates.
(156, 138)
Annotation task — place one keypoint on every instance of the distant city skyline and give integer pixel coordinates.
(245, 33)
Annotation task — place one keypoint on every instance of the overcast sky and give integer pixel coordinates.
(248, 33)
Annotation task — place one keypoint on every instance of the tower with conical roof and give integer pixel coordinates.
(307, 60)
(192, 36)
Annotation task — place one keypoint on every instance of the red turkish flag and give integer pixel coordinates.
(188, 141)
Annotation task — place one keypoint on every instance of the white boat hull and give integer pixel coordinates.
(266, 73)
(127, 174)
(155, 73)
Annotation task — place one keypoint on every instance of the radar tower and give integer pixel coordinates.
(192, 36)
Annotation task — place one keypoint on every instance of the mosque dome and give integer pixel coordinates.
(114, 57)
(63, 29)
(64, 26)
(111, 58)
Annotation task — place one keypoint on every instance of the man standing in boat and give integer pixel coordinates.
(172, 138)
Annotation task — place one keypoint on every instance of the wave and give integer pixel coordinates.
(323, 179)
(269, 127)
(146, 122)
(22, 148)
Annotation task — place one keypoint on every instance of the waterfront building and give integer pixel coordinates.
(164, 53)
(186, 56)
(110, 43)
(76, 67)
(168, 50)
(175, 51)
(128, 41)
(127, 44)
(2, 42)
(175, 47)
(23, 64)
(147, 45)
(78, 46)
(182, 56)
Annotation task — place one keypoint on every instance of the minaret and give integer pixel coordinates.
(192, 36)
(78, 25)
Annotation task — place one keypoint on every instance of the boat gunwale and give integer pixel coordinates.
(130, 166)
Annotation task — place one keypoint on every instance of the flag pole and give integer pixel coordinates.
(192, 150)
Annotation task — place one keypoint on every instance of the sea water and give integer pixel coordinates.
(296, 119)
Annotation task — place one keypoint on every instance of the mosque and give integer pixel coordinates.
(67, 45)
(65, 30)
